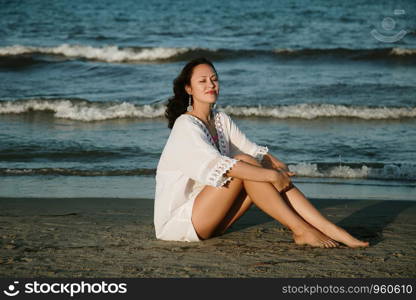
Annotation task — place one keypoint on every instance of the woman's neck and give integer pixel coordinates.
(204, 113)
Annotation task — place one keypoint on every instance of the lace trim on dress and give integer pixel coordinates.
(215, 177)
(261, 151)
(220, 132)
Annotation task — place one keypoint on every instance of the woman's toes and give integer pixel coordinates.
(334, 244)
(330, 245)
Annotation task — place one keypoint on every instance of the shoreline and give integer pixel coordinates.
(114, 237)
(143, 187)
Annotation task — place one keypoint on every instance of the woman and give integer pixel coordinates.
(209, 173)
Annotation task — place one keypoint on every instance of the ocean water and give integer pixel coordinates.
(329, 87)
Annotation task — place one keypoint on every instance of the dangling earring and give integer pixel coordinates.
(190, 108)
(214, 106)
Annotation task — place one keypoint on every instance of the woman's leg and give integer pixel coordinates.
(310, 214)
(212, 206)
(241, 204)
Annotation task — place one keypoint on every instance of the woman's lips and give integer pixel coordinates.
(211, 92)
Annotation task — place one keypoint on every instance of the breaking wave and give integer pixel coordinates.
(117, 54)
(87, 111)
(83, 110)
(113, 54)
(378, 171)
(313, 111)
(354, 171)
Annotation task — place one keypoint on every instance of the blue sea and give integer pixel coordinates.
(328, 86)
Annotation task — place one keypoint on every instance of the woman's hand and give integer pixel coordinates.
(282, 181)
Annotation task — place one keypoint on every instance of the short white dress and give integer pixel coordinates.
(190, 160)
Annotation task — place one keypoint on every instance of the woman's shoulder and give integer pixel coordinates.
(185, 121)
(189, 121)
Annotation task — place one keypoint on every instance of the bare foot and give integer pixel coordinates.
(314, 238)
(339, 234)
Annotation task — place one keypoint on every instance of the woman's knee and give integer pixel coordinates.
(247, 158)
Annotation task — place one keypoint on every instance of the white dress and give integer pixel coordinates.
(189, 161)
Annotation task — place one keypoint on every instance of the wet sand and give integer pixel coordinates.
(115, 238)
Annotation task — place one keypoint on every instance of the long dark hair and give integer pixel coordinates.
(178, 103)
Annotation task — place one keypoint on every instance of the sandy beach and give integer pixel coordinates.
(115, 238)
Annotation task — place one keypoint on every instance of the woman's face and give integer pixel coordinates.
(204, 84)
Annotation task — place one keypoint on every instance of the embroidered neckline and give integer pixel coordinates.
(218, 127)
(225, 163)
(220, 133)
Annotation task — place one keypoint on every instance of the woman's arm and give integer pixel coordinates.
(243, 170)
(271, 162)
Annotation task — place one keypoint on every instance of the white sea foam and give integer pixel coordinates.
(387, 172)
(105, 53)
(84, 110)
(312, 111)
(284, 51)
(402, 51)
